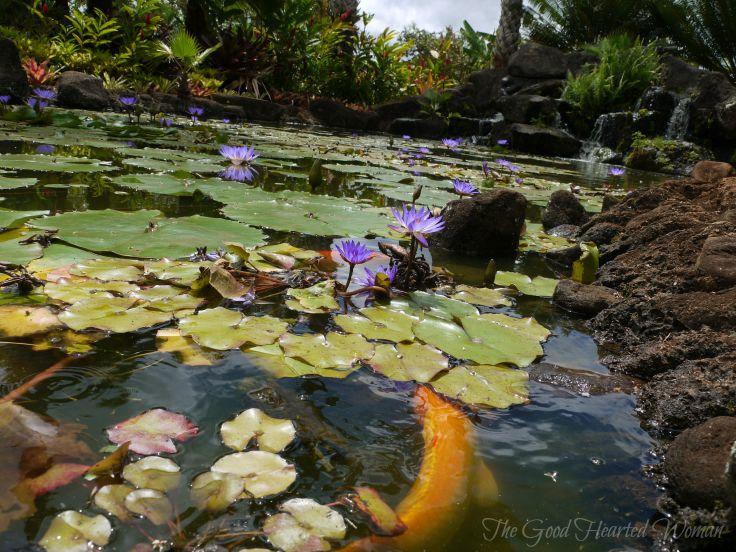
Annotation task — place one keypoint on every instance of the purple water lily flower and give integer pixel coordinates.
(464, 188)
(519, 180)
(353, 252)
(617, 171)
(4, 99)
(195, 112)
(45, 149)
(425, 150)
(416, 222)
(239, 173)
(239, 155)
(45, 94)
(508, 165)
(503, 142)
(226, 121)
(31, 102)
(369, 276)
(411, 162)
(486, 169)
(128, 101)
(406, 137)
(453, 143)
(166, 121)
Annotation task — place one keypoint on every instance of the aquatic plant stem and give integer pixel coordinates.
(38, 378)
(410, 262)
(350, 276)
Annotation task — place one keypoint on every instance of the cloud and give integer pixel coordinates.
(432, 15)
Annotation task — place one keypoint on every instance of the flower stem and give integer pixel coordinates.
(350, 276)
(410, 262)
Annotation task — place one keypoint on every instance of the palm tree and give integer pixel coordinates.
(184, 51)
(508, 34)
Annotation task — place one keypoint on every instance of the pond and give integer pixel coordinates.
(111, 199)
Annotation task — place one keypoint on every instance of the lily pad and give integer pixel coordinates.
(490, 386)
(271, 434)
(13, 219)
(406, 362)
(153, 472)
(435, 305)
(15, 253)
(153, 431)
(151, 504)
(145, 234)
(304, 525)
(113, 314)
(214, 491)
(331, 351)
(536, 287)
(71, 531)
(379, 323)
(486, 297)
(223, 329)
(111, 498)
(7, 183)
(22, 321)
(262, 473)
(382, 519)
(271, 358)
(454, 340)
(320, 298)
(170, 340)
(74, 290)
(167, 184)
(55, 163)
(109, 270)
(515, 340)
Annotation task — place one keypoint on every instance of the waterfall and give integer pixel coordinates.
(593, 148)
(680, 120)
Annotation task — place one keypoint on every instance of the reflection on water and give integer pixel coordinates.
(560, 458)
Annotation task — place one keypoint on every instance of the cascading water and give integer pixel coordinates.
(594, 149)
(680, 120)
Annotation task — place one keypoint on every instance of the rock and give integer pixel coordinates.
(614, 130)
(580, 382)
(718, 258)
(700, 309)
(707, 171)
(564, 257)
(544, 141)
(551, 88)
(486, 88)
(569, 231)
(677, 75)
(577, 61)
(420, 128)
(609, 202)
(563, 208)
(253, 108)
(463, 126)
(523, 108)
(77, 90)
(13, 80)
(726, 115)
(407, 107)
(588, 300)
(335, 114)
(487, 224)
(667, 156)
(696, 464)
(538, 61)
(601, 234)
(660, 104)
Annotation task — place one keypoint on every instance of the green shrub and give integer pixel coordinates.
(626, 68)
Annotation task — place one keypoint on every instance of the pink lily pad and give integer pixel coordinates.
(153, 431)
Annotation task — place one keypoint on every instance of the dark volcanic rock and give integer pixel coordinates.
(601, 234)
(335, 114)
(487, 224)
(718, 258)
(524, 108)
(614, 130)
(696, 464)
(420, 128)
(407, 107)
(678, 75)
(551, 88)
(537, 61)
(253, 108)
(707, 171)
(81, 91)
(564, 257)
(581, 382)
(584, 299)
(690, 394)
(563, 208)
(13, 80)
(544, 141)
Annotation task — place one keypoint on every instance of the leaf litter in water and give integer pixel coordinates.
(111, 498)
(153, 431)
(72, 531)
(271, 434)
(216, 491)
(381, 518)
(304, 525)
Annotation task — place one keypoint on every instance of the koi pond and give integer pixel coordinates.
(182, 368)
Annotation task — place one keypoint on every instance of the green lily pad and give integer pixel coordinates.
(536, 287)
(15, 253)
(262, 473)
(74, 290)
(304, 525)
(153, 472)
(331, 351)
(122, 270)
(271, 358)
(145, 234)
(7, 183)
(14, 219)
(72, 531)
(406, 362)
(454, 340)
(435, 305)
(215, 491)
(379, 323)
(168, 184)
(320, 298)
(490, 386)
(112, 314)
(536, 239)
(55, 163)
(223, 329)
(515, 340)
(486, 297)
(271, 434)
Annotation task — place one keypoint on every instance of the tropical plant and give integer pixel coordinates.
(477, 45)
(184, 51)
(38, 73)
(569, 24)
(626, 68)
(704, 30)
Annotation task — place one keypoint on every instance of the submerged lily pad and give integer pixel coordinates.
(262, 473)
(271, 434)
(72, 531)
(111, 498)
(537, 287)
(153, 431)
(216, 491)
(170, 340)
(145, 234)
(151, 504)
(491, 386)
(153, 472)
(223, 329)
(320, 298)
(304, 525)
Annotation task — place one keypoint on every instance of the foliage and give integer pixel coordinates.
(626, 68)
(38, 73)
(704, 30)
(569, 24)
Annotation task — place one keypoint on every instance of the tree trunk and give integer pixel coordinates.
(508, 34)
(105, 6)
(197, 24)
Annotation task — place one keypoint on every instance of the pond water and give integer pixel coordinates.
(558, 457)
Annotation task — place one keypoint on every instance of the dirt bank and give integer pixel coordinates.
(671, 258)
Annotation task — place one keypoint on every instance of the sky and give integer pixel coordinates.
(432, 15)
